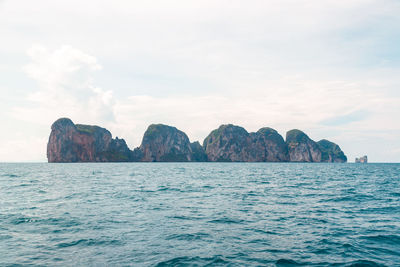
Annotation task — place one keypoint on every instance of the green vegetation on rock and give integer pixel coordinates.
(155, 130)
(330, 151)
(89, 129)
(115, 156)
(296, 136)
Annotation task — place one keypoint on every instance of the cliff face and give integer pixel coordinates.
(301, 148)
(331, 152)
(229, 143)
(165, 143)
(84, 143)
(233, 143)
(198, 153)
(268, 145)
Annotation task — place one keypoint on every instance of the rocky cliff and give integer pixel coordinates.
(268, 145)
(165, 143)
(198, 153)
(229, 143)
(331, 152)
(84, 143)
(234, 143)
(301, 148)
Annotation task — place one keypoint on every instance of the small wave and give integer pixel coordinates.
(275, 250)
(385, 210)
(75, 195)
(166, 188)
(207, 187)
(363, 263)
(263, 231)
(384, 251)
(90, 242)
(288, 262)
(10, 175)
(4, 237)
(227, 221)
(60, 222)
(194, 261)
(187, 237)
(188, 218)
(338, 199)
(20, 220)
(63, 222)
(389, 239)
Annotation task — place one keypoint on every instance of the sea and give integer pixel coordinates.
(199, 214)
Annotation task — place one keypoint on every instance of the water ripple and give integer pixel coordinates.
(199, 214)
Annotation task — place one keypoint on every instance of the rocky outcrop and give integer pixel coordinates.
(234, 143)
(198, 153)
(162, 143)
(363, 159)
(227, 143)
(268, 145)
(331, 152)
(301, 148)
(84, 143)
(165, 143)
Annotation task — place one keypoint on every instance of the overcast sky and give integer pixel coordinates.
(330, 68)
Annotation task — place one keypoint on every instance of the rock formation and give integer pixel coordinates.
(363, 159)
(268, 145)
(302, 148)
(84, 143)
(331, 152)
(165, 143)
(198, 153)
(229, 143)
(234, 143)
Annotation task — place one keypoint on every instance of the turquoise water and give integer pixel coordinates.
(200, 214)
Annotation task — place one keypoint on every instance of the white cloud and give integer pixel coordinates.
(294, 103)
(66, 87)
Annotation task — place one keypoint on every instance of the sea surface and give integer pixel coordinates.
(199, 214)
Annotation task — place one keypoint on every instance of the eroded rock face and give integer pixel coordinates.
(268, 145)
(234, 143)
(84, 143)
(198, 153)
(227, 143)
(301, 148)
(165, 143)
(331, 152)
(69, 142)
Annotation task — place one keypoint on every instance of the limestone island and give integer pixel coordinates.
(69, 142)
(363, 159)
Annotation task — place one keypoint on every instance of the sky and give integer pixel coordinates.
(330, 68)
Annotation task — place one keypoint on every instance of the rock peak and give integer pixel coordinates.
(62, 123)
(301, 148)
(165, 143)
